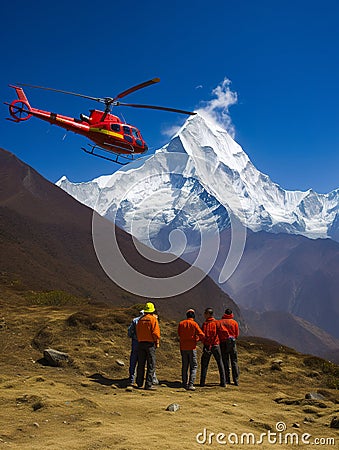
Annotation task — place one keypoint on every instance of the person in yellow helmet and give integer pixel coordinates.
(148, 334)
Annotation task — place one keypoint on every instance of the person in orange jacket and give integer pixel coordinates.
(228, 332)
(211, 347)
(148, 334)
(189, 334)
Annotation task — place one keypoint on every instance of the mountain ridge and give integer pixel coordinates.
(259, 203)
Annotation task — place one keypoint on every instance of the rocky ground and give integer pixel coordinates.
(284, 399)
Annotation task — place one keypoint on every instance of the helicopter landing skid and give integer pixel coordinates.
(128, 158)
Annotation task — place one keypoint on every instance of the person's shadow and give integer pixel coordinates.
(101, 379)
(122, 383)
(171, 384)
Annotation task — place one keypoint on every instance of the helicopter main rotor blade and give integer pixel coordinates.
(162, 108)
(97, 99)
(135, 88)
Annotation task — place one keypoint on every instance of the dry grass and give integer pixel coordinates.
(85, 405)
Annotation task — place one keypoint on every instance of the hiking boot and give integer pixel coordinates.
(236, 383)
(190, 387)
(222, 384)
(150, 388)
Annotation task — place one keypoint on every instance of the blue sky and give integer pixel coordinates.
(280, 56)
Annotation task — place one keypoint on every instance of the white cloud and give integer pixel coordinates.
(217, 109)
(171, 130)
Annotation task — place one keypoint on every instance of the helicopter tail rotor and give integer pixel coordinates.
(20, 109)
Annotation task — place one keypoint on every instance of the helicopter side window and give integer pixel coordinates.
(115, 127)
(127, 130)
(135, 133)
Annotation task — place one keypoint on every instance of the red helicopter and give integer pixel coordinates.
(107, 131)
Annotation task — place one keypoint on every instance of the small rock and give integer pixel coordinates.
(120, 362)
(334, 422)
(38, 405)
(315, 396)
(235, 404)
(39, 379)
(35, 424)
(309, 420)
(277, 361)
(276, 366)
(54, 357)
(113, 386)
(129, 389)
(296, 425)
(173, 407)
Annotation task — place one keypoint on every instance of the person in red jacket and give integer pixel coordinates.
(211, 347)
(189, 334)
(228, 331)
(148, 334)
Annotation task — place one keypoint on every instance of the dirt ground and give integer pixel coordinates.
(86, 404)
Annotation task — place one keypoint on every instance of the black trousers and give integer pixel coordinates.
(229, 356)
(146, 355)
(205, 359)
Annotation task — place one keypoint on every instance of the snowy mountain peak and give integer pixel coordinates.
(212, 140)
(203, 165)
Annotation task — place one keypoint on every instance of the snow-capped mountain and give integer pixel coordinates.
(197, 182)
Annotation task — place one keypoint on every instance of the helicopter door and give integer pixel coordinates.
(127, 134)
(137, 137)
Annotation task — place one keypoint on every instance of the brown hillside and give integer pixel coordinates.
(46, 244)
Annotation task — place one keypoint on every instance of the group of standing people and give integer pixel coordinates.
(217, 336)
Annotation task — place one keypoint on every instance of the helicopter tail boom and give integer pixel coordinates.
(21, 110)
